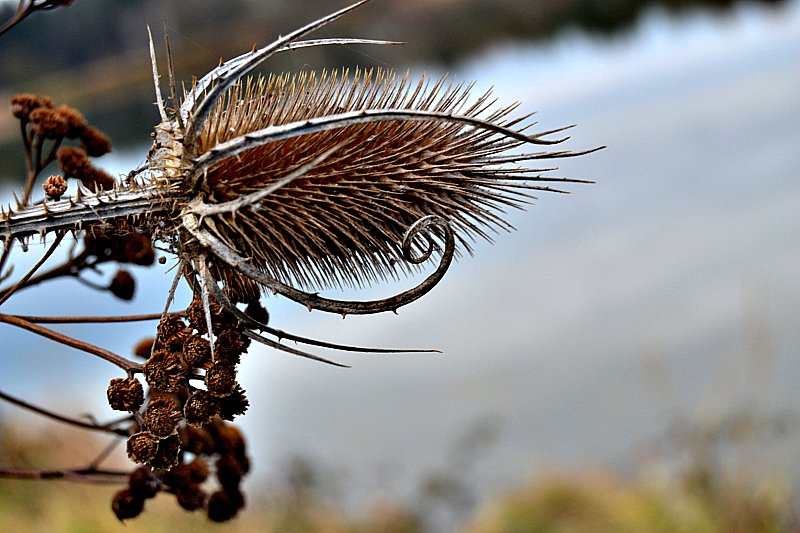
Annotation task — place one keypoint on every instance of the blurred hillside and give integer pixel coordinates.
(94, 53)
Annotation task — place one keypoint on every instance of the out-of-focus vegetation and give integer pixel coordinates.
(699, 493)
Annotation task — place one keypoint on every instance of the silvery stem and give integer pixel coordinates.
(74, 214)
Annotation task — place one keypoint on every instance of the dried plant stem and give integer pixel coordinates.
(95, 319)
(24, 279)
(121, 362)
(74, 214)
(85, 475)
(107, 428)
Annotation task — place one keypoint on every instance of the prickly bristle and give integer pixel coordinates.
(342, 223)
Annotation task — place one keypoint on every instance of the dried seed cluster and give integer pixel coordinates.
(48, 122)
(181, 420)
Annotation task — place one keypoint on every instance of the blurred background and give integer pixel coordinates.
(627, 358)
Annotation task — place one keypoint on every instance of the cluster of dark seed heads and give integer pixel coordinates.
(181, 437)
(44, 121)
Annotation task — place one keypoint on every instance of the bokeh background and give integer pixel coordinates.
(640, 334)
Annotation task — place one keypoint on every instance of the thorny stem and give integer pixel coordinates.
(121, 362)
(108, 428)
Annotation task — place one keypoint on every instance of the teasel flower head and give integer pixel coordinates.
(299, 182)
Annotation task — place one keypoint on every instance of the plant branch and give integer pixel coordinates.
(121, 362)
(108, 428)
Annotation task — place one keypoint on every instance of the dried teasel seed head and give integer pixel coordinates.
(197, 351)
(126, 504)
(125, 394)
(55, 186)
(168, 454)
(200, 408)
(22, 104)
(142, 447)
(123, 286)
(48, 123)
(162, 415)
(164, 371)
(95, 142)
(220, 379)
(342, 221)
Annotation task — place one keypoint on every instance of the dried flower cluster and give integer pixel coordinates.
(182, 429)
(283, 185)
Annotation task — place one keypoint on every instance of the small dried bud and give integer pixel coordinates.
(234, 404)
(200, 408)
(256, 311)
(95, 142)
(196, 351)
(198, 470)
(220, 379)
(143, 483)
(221, 507)
(125, 394)
(96, 179)
(191, 497)
(168, 453)
(142, 447)
(123, 286)
(74, 162)
(169, 328)
(196, 440)
(229, 472)
(227, 439)
(143, 348)
(127, 505)
(230, 346)
(162, 415)
(76, 122)
(138, 249)
(48, 123)
(164, 371)
(55, 186)
(22, 104)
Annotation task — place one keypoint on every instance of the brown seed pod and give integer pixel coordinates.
(168, 454)
(200, 408)
(123, 286)
(125, 394)
(162, 415)
(22, 104)
(164, 371)
(142, 447)
(126, 504)
(55, 186)
(196, 351)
